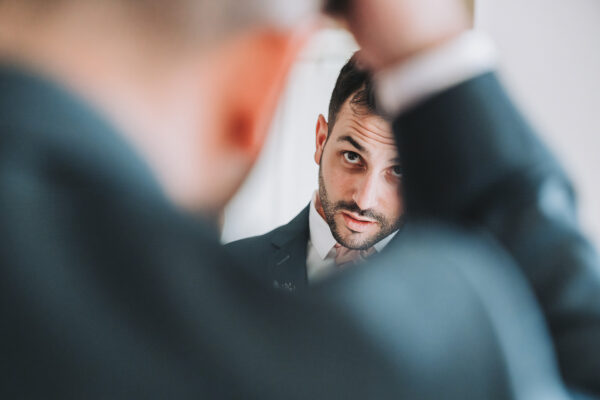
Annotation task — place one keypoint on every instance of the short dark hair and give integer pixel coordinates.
(355, 83)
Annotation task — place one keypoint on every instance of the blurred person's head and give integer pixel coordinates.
(190, 83)
(359, 169)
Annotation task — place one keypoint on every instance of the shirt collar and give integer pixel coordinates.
(322, 238)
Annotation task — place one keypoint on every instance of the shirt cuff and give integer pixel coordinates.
(403, 86)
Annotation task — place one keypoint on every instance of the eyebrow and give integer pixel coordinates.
(353, 142)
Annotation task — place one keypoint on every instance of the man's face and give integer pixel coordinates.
(359, 178)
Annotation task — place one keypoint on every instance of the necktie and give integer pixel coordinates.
(345, 256)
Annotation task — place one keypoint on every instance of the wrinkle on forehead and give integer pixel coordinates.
(367, 126)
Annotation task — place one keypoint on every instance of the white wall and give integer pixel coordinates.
(550, 53)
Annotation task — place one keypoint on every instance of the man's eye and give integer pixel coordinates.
(397, 171)
(351, 157)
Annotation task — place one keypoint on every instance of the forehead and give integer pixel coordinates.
(370, 129)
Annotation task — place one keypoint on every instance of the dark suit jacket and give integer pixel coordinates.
(108, 291)
(471, 159)
(280, 254)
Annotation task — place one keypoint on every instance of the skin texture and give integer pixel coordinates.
(359, 178)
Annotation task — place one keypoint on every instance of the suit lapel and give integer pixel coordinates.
(287, 263)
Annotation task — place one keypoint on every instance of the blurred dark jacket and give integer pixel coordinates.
(472, 160)
(108, 291)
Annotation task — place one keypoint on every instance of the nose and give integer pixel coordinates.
(365, 192)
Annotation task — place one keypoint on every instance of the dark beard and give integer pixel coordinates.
(329, 209)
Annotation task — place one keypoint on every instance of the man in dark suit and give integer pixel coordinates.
(111, 290)
(357, 209)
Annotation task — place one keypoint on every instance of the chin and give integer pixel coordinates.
(357, 241)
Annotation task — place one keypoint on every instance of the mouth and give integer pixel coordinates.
(356, 223)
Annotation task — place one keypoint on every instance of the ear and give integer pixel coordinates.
(321, 137)
(241, 81)
(248, 76)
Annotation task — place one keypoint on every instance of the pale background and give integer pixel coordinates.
(550, 61)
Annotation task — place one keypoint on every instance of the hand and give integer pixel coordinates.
(390, 31)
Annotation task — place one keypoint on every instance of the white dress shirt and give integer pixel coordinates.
(320, 254)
